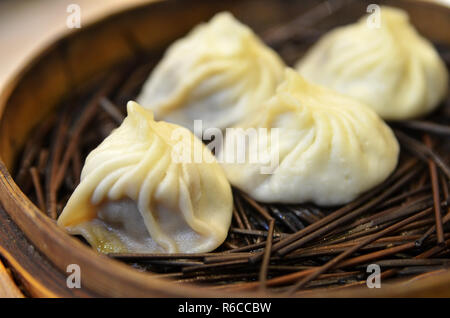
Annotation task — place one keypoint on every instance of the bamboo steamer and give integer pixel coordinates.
(31, 243)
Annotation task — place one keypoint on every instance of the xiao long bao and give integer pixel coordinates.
(134, 197)
(219, 73)
(331, 147)
(391, 68)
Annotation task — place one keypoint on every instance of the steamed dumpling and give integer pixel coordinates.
(330, 147)
(137, 194)
(393, 69)
(218, 73)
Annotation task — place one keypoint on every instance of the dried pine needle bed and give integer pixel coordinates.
(401, 225)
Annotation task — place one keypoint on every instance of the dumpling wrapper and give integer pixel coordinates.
(393, 68)
(136, 196)
(331, 147)
(219, 73)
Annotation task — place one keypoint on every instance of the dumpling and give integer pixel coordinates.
(329, 148)
(392, 68)
(142, 191)
(219, 73)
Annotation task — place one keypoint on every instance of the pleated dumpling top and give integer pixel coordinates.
(391, 68)
(331, 148)
(141, 191)
(219, 73)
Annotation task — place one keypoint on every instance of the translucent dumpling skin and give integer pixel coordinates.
(138, 194)
(331, 147)
(392, 68)
(219, 73)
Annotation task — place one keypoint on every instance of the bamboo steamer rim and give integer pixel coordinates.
(108, 277)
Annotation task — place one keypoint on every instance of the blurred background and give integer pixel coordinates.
(26, 26)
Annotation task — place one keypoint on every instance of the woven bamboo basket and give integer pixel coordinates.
(30, 242)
